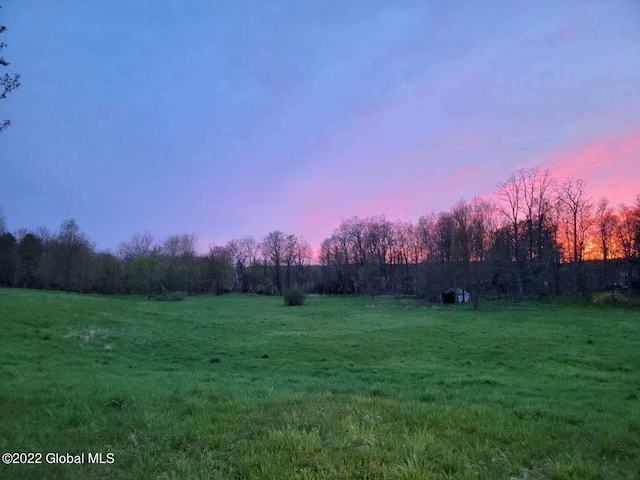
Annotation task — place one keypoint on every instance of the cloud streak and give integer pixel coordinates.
(610, 166)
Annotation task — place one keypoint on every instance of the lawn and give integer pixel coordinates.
(241, 386)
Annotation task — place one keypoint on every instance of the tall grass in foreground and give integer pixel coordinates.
(245, 387)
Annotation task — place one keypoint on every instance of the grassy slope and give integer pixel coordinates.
(349, 390)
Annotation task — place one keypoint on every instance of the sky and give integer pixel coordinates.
(230, 119)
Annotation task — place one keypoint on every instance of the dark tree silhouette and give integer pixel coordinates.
(71, 249)
(7, 82)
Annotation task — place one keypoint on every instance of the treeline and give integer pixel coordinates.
(536, 236)
(67, 260)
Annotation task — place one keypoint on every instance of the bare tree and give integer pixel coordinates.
(628, 238)
(44, 235)
(290, 255)
(605, 223)
(576, 217)
(444, 233)
(625, 232)
(7, 82)
(334, 259)
(245, 252)
(537, 203)
(426, 238)
(353, 231)
(577, 212)
(378, 241)
(461, 221)
(403, 251)
(238, 262)
(148, 271)
(509, 203)
(273, 248)
(138, 246)
(370, 279)
(179, 252)
(106, 273)
(220, 269)
(482, 226)
(181, 245)
(605, 226)
(189, 261)
(302, 259)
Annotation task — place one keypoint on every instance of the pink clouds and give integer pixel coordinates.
(610, 166)
(401, 186)
(464, 174)
(327, 203)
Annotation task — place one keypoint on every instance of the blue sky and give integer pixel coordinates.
(237, 118)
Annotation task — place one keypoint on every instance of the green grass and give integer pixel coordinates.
(244, 387)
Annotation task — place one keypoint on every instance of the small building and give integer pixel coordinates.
(455, 295)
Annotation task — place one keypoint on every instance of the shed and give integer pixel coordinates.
(455, 295)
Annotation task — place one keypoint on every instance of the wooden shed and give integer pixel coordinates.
(455, 295)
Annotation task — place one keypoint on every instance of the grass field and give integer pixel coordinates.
(244, 387)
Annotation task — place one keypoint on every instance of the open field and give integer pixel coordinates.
(244, 387)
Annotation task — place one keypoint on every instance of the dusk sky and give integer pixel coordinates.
(235, 118)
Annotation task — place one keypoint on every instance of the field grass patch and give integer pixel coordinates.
(239, 386)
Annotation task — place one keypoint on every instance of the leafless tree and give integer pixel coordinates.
(378, 241)
(180, 245)
(510, 197)
(44, 235)
(370, 279)
(245, 253)
(537, 187)
(7, 82)
(138, 246)
(605, 226)
(605, 223)
(625, 232)
(628, 238)
(179, 252)
(461, 238)
(303, 257)
(106, 273)
(238, 261)
(426, 237)
(290, 255)
(220, 268)
(352, 232)
(3, 222)
(148, 272)
(483, 224)
(336, 265)
(273, 248)
(577, 216)
(444, 233)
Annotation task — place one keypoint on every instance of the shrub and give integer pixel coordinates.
(175, 296)
(610, 298)
(294, 296)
